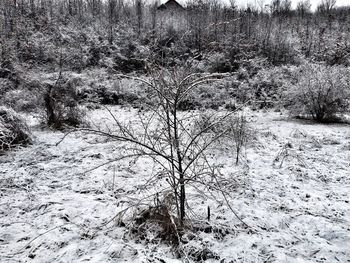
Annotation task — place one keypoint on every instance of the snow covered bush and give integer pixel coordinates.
(237, 129)
(61, 104)
(268, 84)
(25, 98)
(13, 130)
(112, 92)
(131, 57)
(241, 133)
(339, 54)
(321, 92)
(207, 96)
(219, 63)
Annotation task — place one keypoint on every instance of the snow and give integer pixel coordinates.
(55, 207)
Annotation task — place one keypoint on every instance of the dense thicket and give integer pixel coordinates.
(264, 45)
(77, 34)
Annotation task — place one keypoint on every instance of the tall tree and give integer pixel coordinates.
(138, 6)
(112, 17)
(303, 8)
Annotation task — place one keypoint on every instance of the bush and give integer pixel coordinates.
(61, 104)
(241, 133)
(131, 58)
(13, 130)
(322, 92)
(5, 86)
(337, 55)
(21, 100)
(279, 49)
(219, 63)
(267, 85)
(25, 98)
(110, 92)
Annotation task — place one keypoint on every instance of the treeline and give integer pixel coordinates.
(124, 34)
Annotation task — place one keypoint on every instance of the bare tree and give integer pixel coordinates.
(172, 139)
(168, 137)
(240, 133)
(327, 5)
(233, 4)
(325, 8)
(153, 11)
(215, 11)
(112, 5)
(303, 8)
(138, 6)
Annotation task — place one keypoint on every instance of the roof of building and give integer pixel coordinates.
(170, 4)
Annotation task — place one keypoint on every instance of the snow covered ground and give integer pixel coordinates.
(292, 190)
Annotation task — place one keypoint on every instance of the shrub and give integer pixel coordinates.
(267, 85)
(338, 55)
(61, 104)
(219, 63)
(236, 128)
(279, 49)
(131, 58)
(5, 86)
(241, 133)
(13, 130)
(322, 92)
(25, 98)
(94, 56)
(21, 100)
(109, 92)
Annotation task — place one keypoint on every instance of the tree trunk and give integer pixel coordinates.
(182, 199)
(180, 168)
(139, 16)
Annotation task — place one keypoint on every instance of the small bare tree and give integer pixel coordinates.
(240, 132)
(167, 134)
(169, 137)
(327, 5)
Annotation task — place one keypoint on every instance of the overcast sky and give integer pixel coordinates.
(294, 2)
